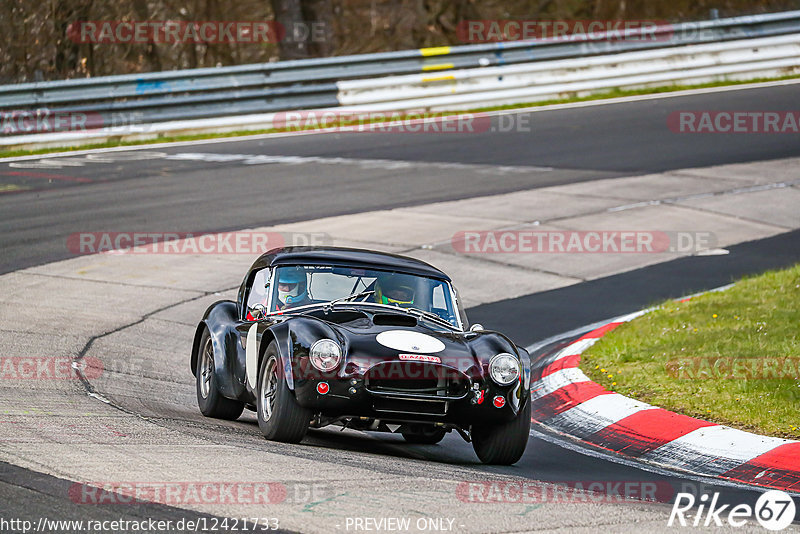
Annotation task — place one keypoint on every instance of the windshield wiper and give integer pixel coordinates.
(350, 297)
(432, 316)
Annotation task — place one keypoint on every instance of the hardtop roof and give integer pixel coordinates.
(347, 257)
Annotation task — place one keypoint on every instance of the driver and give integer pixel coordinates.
(292, 287)
(394, 289)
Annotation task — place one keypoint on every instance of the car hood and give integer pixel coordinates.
(380, 344)
(366, 344)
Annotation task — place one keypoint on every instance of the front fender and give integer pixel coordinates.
(488, 343)
(220, 320)
(294, 338)
(281, 334)
(525, 358)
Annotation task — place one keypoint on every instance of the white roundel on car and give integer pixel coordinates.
(407, 341)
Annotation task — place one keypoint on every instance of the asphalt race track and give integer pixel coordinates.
(268, 181)
(108, 193)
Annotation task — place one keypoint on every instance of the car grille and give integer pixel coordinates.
(415, 407)
(416, 379)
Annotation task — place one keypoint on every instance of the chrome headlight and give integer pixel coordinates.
(504, 369)
(325, 354)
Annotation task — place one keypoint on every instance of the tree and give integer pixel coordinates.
(289, 15)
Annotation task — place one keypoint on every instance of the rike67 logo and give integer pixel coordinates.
(774, 510)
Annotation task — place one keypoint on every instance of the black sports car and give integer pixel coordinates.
(365, 340)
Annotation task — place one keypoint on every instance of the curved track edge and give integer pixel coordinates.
(567, 403)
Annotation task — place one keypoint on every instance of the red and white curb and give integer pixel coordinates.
(564, 400)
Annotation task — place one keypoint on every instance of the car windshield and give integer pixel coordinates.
(301, 285)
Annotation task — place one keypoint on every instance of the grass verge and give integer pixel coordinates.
(731, 357)
(614, 93)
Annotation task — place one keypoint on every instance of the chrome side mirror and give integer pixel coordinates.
(258, 312)
(477, 327)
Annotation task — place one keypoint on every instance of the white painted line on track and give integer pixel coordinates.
(266, 159)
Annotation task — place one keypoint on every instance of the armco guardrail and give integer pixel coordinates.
(244, 97)
(469, 89)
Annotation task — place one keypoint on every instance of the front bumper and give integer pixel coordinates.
(478, 400)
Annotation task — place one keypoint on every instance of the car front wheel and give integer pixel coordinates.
(504, 443)
(280, 417)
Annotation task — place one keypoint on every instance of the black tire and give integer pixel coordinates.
(504, 443)
(429, 436)
(209, 399)
(280, 417)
